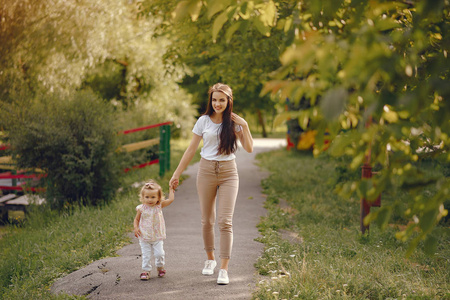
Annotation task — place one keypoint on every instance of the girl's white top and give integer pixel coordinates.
(151, 224)
(209, 130)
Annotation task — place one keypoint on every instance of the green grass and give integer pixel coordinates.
(48, 244)
(314, 248)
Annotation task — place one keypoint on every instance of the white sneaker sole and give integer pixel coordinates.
(208, 273)
(223, 279)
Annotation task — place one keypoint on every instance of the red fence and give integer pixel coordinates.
(14, 176)
(143, 128)
(164, 146)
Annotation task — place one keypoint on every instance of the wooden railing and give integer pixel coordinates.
(164, 146)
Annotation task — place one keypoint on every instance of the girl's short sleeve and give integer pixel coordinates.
(139, 207)
(237, 128)
(199, 126)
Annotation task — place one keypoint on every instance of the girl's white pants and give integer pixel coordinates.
(158, 252)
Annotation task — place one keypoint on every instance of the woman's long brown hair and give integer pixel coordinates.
(227, 135)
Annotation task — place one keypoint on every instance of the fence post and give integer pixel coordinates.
(164, 149)
(14, 180)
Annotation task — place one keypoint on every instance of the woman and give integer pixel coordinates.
(217, 176)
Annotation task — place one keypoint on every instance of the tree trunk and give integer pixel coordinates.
(261, 121)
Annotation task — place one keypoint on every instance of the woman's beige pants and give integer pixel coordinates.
(217, 178)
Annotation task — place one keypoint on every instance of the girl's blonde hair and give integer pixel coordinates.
(153, 186)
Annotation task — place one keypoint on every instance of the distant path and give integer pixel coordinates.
(118, 277)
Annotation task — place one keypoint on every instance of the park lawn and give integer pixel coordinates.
(49, 245)
(314, 248)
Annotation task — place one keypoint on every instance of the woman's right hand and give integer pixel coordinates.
(137, 232)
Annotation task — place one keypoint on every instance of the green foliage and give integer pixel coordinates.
(111, 48)
(59, 48)
(313, 248)
(107, 80)
(48, 45)
(377, 70)
(242, 62)
(73, 141)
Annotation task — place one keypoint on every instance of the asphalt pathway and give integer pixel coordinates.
(118, 277)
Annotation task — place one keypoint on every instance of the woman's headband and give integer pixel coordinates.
(221, 91)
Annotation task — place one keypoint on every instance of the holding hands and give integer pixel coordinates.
(174, 182)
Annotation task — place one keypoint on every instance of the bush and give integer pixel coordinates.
(73, 139)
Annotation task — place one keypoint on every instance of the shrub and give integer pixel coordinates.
(73, 139)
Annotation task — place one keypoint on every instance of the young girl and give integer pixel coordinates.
(217, 175)
(150, 228)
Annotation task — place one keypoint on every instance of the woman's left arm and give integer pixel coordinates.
(245, 136)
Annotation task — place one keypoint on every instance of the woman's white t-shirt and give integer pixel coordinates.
(209, 130)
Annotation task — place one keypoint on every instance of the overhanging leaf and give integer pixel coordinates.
(357, 161)
(428, 220)
(272, 86)
(288, 24)
(387, 24)
(341, 141)
(280, 118)
(194, 9)
(384, 214)
(333, 103)
(231, 31)
(430, 244)
(262, 28)
(218, 24)
(180, 11)
(303, 119)
(370, 217)
(364, 186)
(286, 115)
(413, 245)
(216, 6)
(268, 13)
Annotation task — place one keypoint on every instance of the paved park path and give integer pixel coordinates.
(118, 277)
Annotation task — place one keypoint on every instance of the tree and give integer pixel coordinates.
(61, 46)
(358, 61)
(243, 62)
(54, 55)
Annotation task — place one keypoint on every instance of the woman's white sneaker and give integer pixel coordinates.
(223, 277)
(209, 267)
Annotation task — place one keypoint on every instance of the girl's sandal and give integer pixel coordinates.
(145, 276)
(161, 273)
